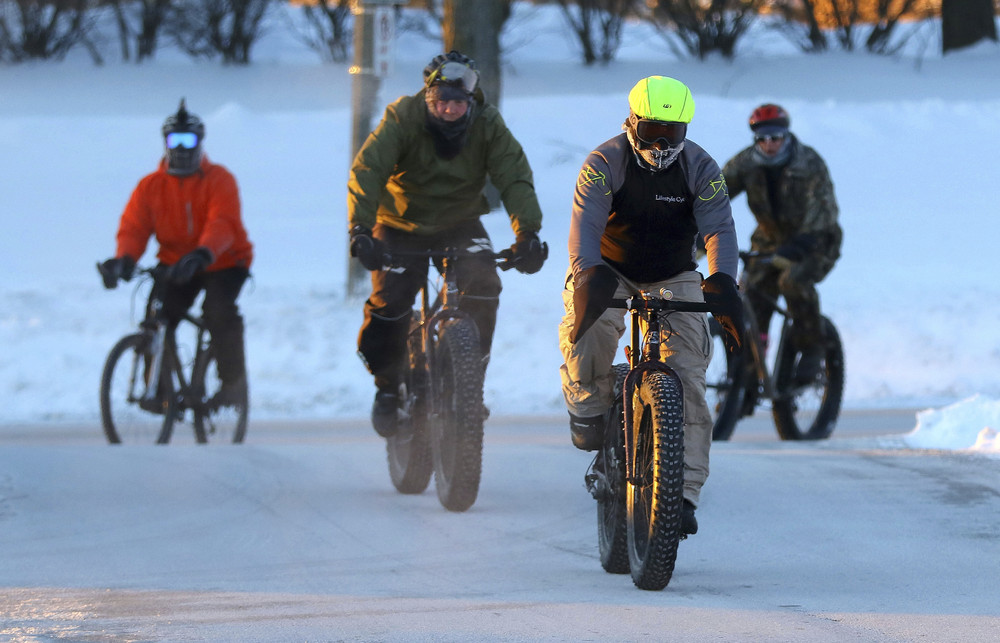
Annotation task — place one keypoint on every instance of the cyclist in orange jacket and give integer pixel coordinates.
(192, 207)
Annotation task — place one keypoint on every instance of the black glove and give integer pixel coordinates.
(528, 253)
(116, 268)
(369, 250)
(593, 290)
(190, 265)
(796, 248)
(723, 296)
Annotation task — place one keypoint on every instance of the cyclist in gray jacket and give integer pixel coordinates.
(642, 200)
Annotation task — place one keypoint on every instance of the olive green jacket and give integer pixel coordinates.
(804, 202)
(398, 180)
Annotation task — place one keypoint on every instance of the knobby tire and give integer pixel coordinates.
(122, 385)
(654, 497)
(810, 411)
(457, 424)
(612, 525)
(227, 424)
(409, 450)
(725, 384)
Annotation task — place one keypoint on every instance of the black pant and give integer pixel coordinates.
(382, 339)
(222, 316)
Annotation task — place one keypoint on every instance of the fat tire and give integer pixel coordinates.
(655, 497)
(457, 424)
(122, 418)
(725, 384)
(227, 425)
(795, 418)
(409, 450)
(612, 522)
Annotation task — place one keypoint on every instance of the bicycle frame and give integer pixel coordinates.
(644, 307)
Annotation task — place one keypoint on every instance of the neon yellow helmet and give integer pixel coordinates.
(662, 99)
(660, 109)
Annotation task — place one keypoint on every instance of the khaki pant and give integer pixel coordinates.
(587, 377)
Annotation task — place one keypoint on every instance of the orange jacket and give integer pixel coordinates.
(185, 212)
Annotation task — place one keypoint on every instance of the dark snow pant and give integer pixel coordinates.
(220, 312)
(382, 339)
(797, 284)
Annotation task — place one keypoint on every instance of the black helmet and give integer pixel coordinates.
(183, 133)
(452, 69)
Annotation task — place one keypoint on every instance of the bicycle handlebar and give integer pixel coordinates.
(504, 259)
(662, 301)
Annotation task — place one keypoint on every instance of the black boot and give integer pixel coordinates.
(587, 432)
(689, 524)
(385, 408)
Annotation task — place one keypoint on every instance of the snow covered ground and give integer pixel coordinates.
(303, 538)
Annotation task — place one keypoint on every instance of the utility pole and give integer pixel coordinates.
(374, 37)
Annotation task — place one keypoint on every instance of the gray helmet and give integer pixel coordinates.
(183, 133)
(453, 70)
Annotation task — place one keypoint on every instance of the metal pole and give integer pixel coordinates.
(364, 90)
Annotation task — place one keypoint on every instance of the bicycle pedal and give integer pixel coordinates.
(596, 484)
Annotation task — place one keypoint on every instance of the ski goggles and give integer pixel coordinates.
(455, 73)
(767, 138)
(187, 140)
(660, 134)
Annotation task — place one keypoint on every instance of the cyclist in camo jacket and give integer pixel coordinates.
(642, 199)
(790, 193)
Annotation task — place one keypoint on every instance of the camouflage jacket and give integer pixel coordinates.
(805, 202)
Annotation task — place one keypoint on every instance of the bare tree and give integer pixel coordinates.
(208, 28)
(705, 26)
(597, 25)
(140, 22)
(808, 21)
(966, 22)
(473, 28)
(327, 28)
(32, 29)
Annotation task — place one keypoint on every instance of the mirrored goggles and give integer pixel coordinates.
(455, 73)
(767, 138)
(187, 140)
(660, 134)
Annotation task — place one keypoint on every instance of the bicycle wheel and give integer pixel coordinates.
(122, 387)
(612, 528)
(223, 424)
(725, 387)
(809, 411)
(409, 450)
(655, 497)
(457, 423)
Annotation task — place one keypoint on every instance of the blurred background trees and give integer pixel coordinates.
(227, 30)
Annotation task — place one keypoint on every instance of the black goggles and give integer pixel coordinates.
(455, 73)
(660, 133)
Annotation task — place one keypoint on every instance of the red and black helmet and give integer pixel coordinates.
(770, 116)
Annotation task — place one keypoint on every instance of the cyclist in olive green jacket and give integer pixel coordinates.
(417, 184)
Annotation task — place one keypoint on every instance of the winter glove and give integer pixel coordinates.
(528, 253)
(796, 248)
(723, 296)
(190, 265)
(369, 250)
(593, 290)
(116, 268)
